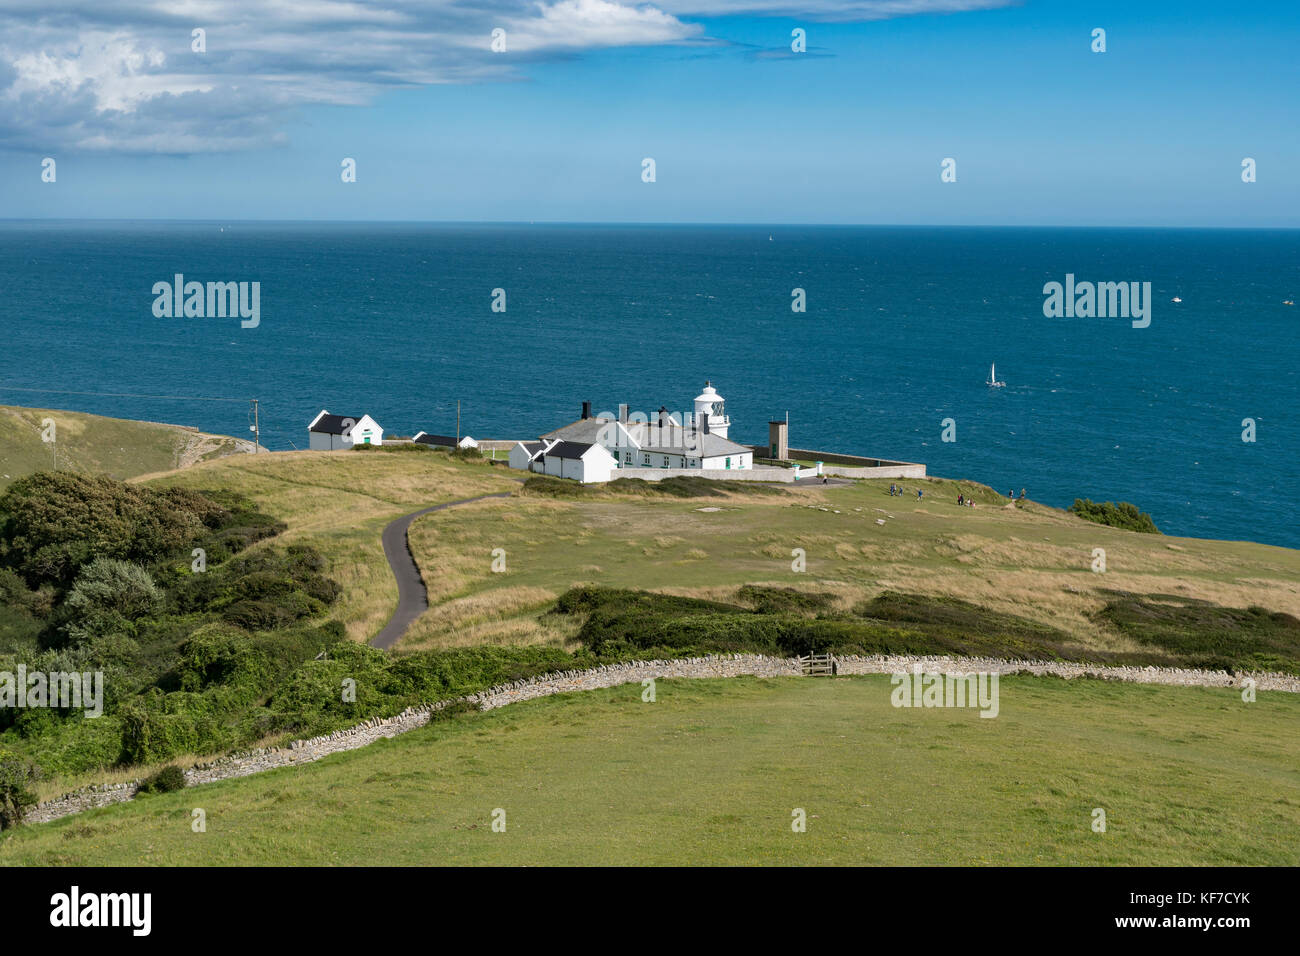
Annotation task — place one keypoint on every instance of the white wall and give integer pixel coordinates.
(761, 473)
(519, 458)
(738, 461)
(367, 424)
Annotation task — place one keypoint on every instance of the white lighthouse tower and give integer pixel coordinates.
(710, 408)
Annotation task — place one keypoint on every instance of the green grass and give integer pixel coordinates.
(92, 443)
(711, 772)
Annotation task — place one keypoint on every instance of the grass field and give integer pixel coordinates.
(711, 772)
(92, 443)
(1025, 560)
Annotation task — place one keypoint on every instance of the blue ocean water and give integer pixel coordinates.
(395, 320)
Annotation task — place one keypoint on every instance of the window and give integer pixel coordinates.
(665, 461)
(646, 460)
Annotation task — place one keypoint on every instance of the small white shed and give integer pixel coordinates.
(333, 432)
(444, 441)
(525, 453)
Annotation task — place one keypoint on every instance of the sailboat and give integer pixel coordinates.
(993, 377)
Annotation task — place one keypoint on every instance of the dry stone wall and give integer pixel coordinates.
(612, 675)
(1185, 677)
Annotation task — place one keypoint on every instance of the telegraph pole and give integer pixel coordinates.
(256, 428)
(458, 423)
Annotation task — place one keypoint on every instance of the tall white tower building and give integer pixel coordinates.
(709, 407)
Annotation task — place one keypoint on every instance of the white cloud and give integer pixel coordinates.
(95, 74)
(585, 24)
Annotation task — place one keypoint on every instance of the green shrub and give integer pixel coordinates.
(167, 780)
(54, 523)
(770, 600)
(17, 774)
(149, 735)
(1200, 634)
(1122, 515)
(109, 585)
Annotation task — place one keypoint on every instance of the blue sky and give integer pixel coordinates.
(1044, 131)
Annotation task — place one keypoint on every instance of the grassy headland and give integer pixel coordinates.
(93, 443)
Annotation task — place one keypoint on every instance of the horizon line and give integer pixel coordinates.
(634, 222)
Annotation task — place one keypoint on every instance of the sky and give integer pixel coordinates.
(741, 128)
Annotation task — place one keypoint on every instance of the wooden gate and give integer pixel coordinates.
(817, 665)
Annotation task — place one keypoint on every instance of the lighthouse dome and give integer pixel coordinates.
(710, 408)
(709, 396)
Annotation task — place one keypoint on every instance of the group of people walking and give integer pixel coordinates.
(896, 491)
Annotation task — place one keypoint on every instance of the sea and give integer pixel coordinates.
(1193, 418)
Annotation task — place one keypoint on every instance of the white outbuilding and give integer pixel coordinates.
(444, 441)
(334, 432)
(524, 453)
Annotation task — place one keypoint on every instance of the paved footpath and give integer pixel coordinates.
(412, 599)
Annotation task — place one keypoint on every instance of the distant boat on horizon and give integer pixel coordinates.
(993, 377)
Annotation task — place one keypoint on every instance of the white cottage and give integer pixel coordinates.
(333, 432)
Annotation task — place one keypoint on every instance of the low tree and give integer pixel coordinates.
(17, 774)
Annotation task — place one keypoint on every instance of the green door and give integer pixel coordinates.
(728, 462)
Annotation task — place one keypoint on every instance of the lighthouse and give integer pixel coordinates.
(711, 410)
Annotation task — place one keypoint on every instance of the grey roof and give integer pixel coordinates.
(534, 448)
(333, 424)
(570, 449)
(424, 438)
(584, 429)
(672, 439)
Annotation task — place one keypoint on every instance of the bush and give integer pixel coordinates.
(54, 523)
(1197, 633)
(167, 780)
(17, 774)
(1122, 515)
(786, 622)
(107, 585)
